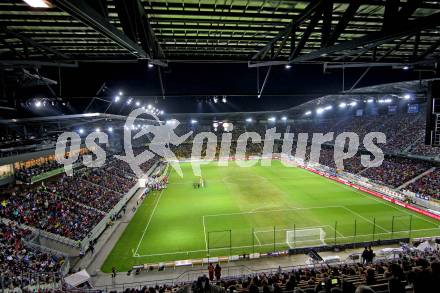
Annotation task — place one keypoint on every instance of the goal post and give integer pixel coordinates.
(305, 237)
(219, 240)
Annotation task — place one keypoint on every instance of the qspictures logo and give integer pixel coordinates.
(163, 136)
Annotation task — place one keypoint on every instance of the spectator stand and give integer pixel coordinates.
(103, 224)
(350, 269)
(32, 280)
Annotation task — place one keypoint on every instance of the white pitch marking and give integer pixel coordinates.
(149, 220)
(369, 221)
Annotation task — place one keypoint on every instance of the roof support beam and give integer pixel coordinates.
(33, 43)
(390, 14)
(428, 51)
(416, 45)
(306, 34)
(282, 36)
(343, 22)
(326, 22)
(81, 10)
(406, 11)
(292, 40)
(376, 38)
(137, 27)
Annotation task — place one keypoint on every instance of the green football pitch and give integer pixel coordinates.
(256, 209)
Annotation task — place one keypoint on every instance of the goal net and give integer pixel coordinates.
(305, 237)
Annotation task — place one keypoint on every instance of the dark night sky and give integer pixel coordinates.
(304, 82)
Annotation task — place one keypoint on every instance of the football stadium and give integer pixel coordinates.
(240, 146)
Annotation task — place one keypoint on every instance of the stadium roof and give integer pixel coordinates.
(261, 33)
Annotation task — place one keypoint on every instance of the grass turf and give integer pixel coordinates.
(245, 210)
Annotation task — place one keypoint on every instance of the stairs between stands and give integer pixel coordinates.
(415, 178)
(414, 143)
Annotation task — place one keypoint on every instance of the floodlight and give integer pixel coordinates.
(342, 105)
(110, 129)
(98, 129)
(248, 119)
(224, 100)
(319, 110)
(138, 104)
(81, 131)
(38, 104)
(284, 118)
(407, 96)
(272, 119)
(38, 3)
(370, 101)
(353, 104)
(329, 107)
(287, 66)
(116, 99)
(193, 121)
(308, 113)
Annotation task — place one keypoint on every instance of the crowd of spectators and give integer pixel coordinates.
(33, 168)
(71, 206)
(428, 185)
(25, 174)
(412, 271)
(81, 191)
(394, 171)
(416, 273)
(20, 265)
(48, 210)
(108, 179)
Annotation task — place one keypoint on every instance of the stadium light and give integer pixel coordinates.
(129, 101)
(161, 112)
(287, 66)
(110, 129)
(215, 99)
(116, 99)
(121, 93)
(406, 67)
(272, 119)
(319, 111)
(284, 118)
(138, 103)
(38, 104)
(329, 107)
(80, 131)
(149, 106)
(308, 113)
(38, 3)
(342, 105)
(193, 121)
(370, 101)
(98, 129)
(150, 65)
(224, 100)
(248, 119)
(407, 96)
(215, 124)
(353, 104)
